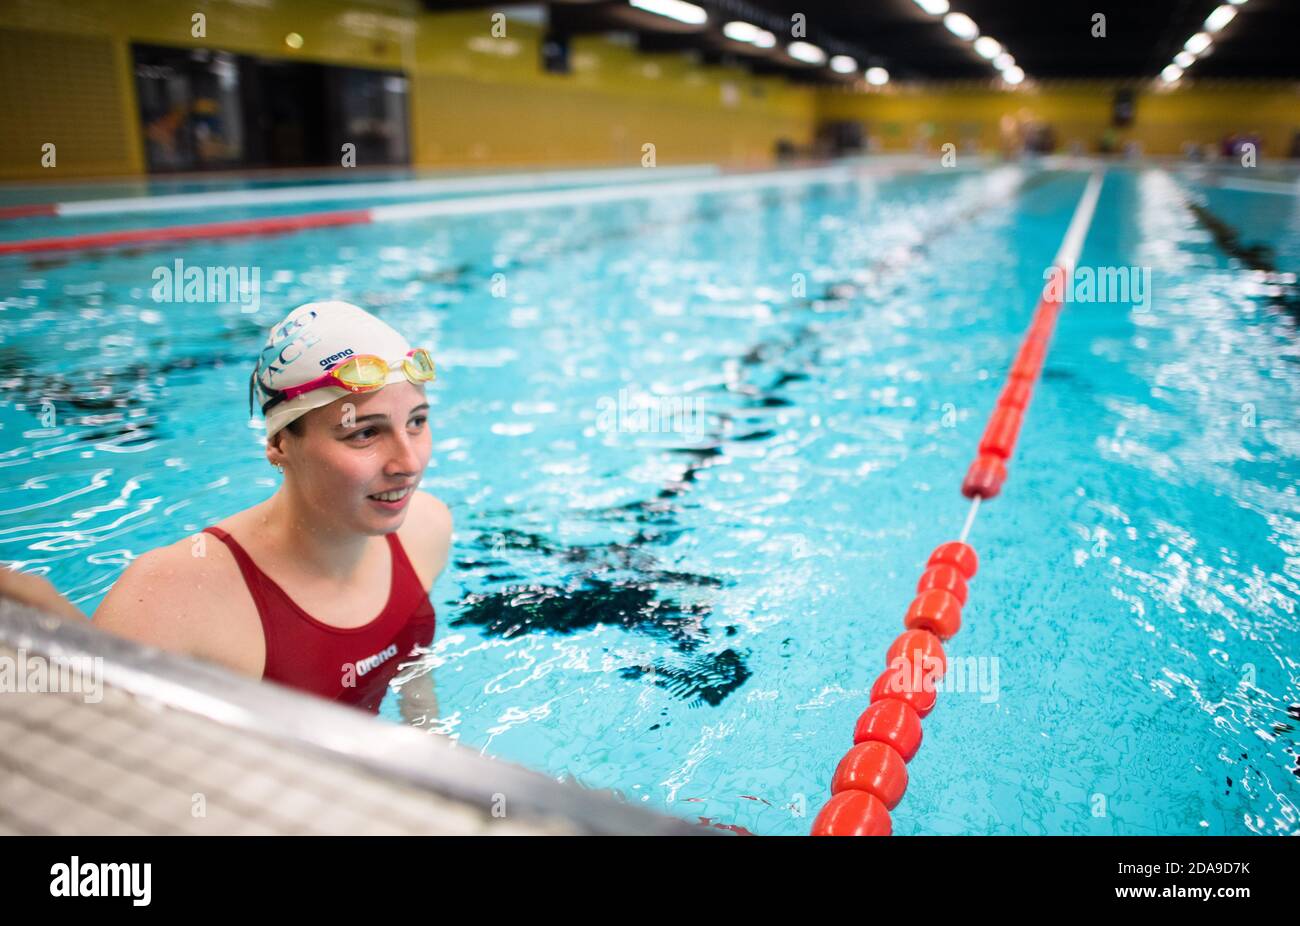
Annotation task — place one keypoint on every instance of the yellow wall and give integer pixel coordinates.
(66, 91)
(911, 118)
(476, 99)
(480, 99)
(475, 105)
(1207, 113)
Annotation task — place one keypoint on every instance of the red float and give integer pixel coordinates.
(957, 554)
(1043, 326)
(891, 722)
(906, 683)
(874, 767)
(985, 477)
(919, 646)
(270, 225)
(1046, 312)
(1016, 393)
(936, 611)
(853, 813)
(1000, 435)
(1038, 335)
(22, 212)
(1029, 360)
(945, 577)
(871, 778)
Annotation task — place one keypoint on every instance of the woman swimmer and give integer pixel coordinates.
(325, 585)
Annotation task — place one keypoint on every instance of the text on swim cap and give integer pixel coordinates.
(287, 343)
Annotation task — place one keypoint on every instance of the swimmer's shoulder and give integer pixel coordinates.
(426, 536)
(187, 597)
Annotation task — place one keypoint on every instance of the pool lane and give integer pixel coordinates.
(693, 620)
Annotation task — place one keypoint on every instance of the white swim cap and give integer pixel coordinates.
(310, 339)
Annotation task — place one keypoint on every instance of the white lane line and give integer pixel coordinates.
(1072, 243)
(1262, 186)
(970, 518)
(542, 200)
(375, 190)
(472, 205)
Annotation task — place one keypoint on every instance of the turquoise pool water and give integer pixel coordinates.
(692, 618)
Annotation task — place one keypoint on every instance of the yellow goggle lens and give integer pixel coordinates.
(363, 371)
(367, 372)
(420, 365)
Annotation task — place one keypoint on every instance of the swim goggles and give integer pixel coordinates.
(362, 373)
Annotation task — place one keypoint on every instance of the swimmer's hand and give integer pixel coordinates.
(38, 592)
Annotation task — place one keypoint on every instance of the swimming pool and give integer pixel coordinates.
(692, 617)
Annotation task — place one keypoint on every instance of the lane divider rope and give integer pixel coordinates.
(461, 206)
(342, 192)
(469, 205)
(141, 236)
(871, 777)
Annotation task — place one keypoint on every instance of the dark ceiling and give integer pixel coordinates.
(1051, 39)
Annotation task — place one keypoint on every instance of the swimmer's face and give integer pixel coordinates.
(359, 446)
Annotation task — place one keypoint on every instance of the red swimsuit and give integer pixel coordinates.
(352, 665)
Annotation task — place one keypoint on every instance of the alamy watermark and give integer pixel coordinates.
(75, 878)
(241, 285)
(1099, 284)
(973, 674)
(639, 413)
(35, 674)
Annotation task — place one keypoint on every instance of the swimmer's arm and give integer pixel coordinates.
(431, 538)
(38, 592)
(153, 603)
(418, 697)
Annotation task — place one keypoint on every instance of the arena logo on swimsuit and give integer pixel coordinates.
(377, 660)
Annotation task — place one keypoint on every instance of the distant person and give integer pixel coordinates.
(163, 135)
